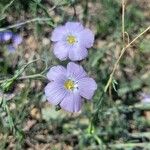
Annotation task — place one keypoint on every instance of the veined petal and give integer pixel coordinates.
(87, 87)
(86, 38)
(61, 50)
(72, 102)
(74, 26)
(58, 33)
(55, 93)
(75, 71)
(77, 53)
(57, 73)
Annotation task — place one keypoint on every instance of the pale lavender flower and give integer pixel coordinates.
(69, 86)
(72, 41)
(12, 39)
(17, 39)
(6, 36)
(145, 98)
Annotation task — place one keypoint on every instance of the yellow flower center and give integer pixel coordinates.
(69, 85)
(71, 39)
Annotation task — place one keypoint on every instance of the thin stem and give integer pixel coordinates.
(11, 123)
(42, 7)
(126, 33)
(16, 76)
(138, 106)
(130, 145)
(32, 77)
(140, 134)
(123, 28)
(7, 6)
(118, 60)
(25, 22)
(32, 20)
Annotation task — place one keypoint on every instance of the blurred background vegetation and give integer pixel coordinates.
(27, 121)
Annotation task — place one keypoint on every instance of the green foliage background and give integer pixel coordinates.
(119, 121)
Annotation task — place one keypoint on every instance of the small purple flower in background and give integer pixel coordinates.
(14, 40)
(17, 40)
(6, 36)
(145, 98)
(72, 41)
(69, 86)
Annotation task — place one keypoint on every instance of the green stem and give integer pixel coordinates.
(32, 77)
(141, 134)
(130, 145)
(25, 22)
(7, 6)
(120, 56)
(16, 76)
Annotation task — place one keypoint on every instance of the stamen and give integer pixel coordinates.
(69, 85)
(71, 39)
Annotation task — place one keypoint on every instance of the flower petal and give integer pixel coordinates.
(72, 102)
(75, 71)
(7, 36)
(58, 33)
(17, 39)
(55, 93)
(57, 73)
(77, 53)
(74, 26)
(87, 87)
(86, 38)
(61, 50)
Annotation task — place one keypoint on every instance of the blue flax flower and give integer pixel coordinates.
(69, 86)
(13, 40)
(71, 41)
